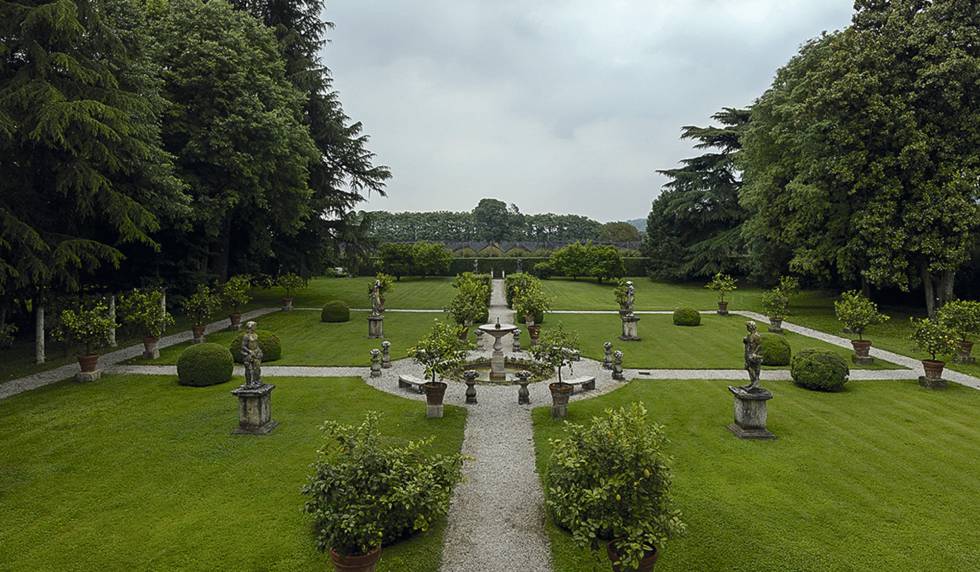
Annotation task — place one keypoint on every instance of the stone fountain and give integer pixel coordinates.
(498, 331)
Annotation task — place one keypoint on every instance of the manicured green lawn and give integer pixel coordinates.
(139, 473)
(568, 294)
(882, 476)
(308, 341)
(413, 293)
(715, 344)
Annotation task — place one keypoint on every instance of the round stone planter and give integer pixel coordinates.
(88, 363)
(235, 320)
(862, 350)
(198, 334)
(362, 563)
(646, 563)
(722, 308)
(560, 392)
(435, 391)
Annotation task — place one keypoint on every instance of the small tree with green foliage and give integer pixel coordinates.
(857, 312)
(722, 284)
(440, 350)
(530, 302)
(620, 292)
(291, 282)
(606, 262)
(201, 305)
(396, 258)
(144, 311)
(557, 349)
(89, 325)
(431, 259)
(933, 337)
(236, 292)
(962, 317)
(775, 302)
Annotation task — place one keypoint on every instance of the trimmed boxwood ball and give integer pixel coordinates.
(775, 350)
(687, 317)
(204, 364)
(819, 369)
(269, 342)
(335, 311)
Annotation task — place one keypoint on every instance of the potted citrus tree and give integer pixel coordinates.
(531, 303)
(621, 293)
(290, 282)
(236, 293)
(365, 494)
(200, 307)
(856, 312)
(937, 340)
(143, 310)
(91, 326)
(438, 352)
(775, 302)
(722, 284)
(963, 318)
(557, 348)
(609, 483)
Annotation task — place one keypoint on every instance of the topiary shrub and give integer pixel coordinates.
(335, 311)
(204, 364)
(819, 369)
(774, 349)
(687, 317)
(268, 342)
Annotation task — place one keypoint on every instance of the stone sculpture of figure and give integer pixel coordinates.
(753, 359)
(377, 305)
(252, 356)
(520, 267)
(476, 266)
(630, 296)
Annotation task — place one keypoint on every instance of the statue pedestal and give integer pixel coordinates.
(376, 326)
(750, 413)
(255, 410)
(630, 333)
(523, 395)
(470, 391)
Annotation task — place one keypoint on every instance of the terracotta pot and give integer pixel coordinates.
(362, 563)
(150, 343)
(776, 324)
(236, 319)
(723, 308)
(198, 332)
(534, 331)
(934, 368)
(861, 347)
(88, 363)
(646, 563)
(560, 392)
(966, 348)
(287, 303)
(435, 391)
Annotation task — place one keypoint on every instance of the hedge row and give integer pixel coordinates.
(636, 266)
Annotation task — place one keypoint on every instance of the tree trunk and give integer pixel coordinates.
(945, 293)
(221, 251)
(865, 287)
(929, 289)
(112, 314)
(39, 334)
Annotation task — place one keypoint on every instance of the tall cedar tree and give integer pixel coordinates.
(83, 168)
(345, 169)
(693, 230)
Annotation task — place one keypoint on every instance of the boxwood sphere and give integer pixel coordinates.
(204, 364)
(774, 349)
(819, 369)
(335, 311)
(269, 342)
(687, 317)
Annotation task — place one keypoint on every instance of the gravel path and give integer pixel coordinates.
(47, 377)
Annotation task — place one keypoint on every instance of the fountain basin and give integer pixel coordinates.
(539, 371)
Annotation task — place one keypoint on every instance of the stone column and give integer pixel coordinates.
(469, 376)
(630, 333)
(255, 410)
(617, 366)
(516, 347)
(607, 356)
(375, 363)
(750, 413)
(112, 315)
(523, 395)
(39, 334)
(386, 354)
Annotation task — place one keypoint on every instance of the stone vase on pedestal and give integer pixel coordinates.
(776, 325)
(963, 355)
(516, 346)
(88, 368)
(750, 413)
(862, 352)
(469, 377)
(435, 392)
(255, 410)
(150, 349)
(386, 354)
(376, 327)
(617, 366)
(523, 395)
(375, 363)
(607, 356)
(198, 334)
(560, 393)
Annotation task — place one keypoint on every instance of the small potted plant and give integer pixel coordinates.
(621, 293)
(936, 339)
(290, 282)
(468, 305)
(557, 349)
(775, 302)
(723, 284)
(365, 494)
(236, 293)
(610, 483)
(200, 307)
(856, 313)
(963, 318)
(90, 326)
(438, 352)
(531, 302)
(144, 311)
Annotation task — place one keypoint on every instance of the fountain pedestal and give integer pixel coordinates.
(498, 331)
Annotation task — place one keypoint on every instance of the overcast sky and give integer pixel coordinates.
(561, 106)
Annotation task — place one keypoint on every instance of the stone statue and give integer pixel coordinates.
(520, 267)
(377, 304)
(630, 296)
(753, 359)
(476, 266)
(252, 357)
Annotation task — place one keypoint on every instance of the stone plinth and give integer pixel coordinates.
(750, 413)
(932, 383)
(255, 410)
(376, 327)
(630, 331)
(523, 395)
(86, 376)
(375, 363)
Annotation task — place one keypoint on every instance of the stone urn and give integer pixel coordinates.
(235, 320)
(934, 373)
(351, 563)
(435, 392)
(963, 356)
(560, 392)
(776, 325)
(862, 349)
(646, 563)
(150, 350)
(88, 363)
(198, 334)
(722, 308)
(287, 304)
